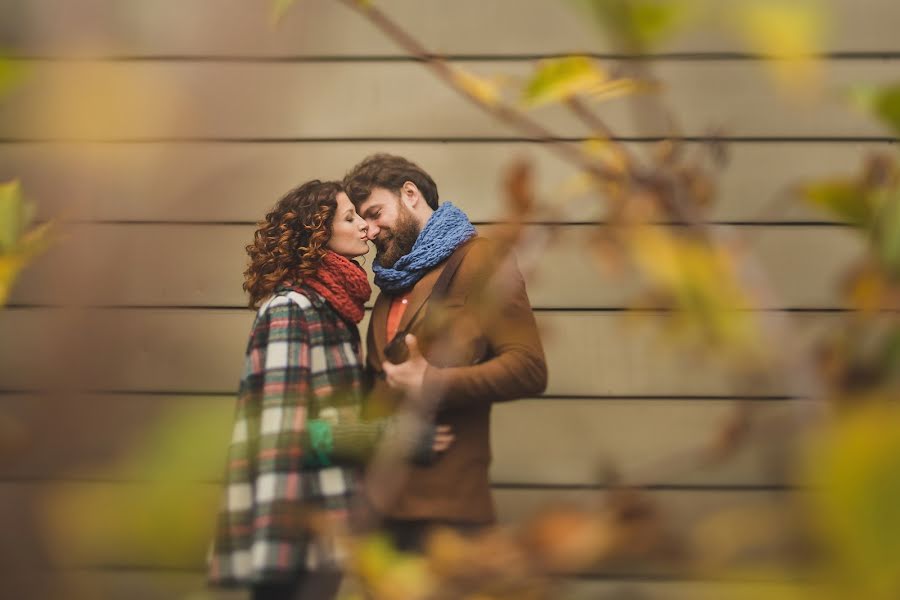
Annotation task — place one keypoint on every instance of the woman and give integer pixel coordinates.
(298, 441)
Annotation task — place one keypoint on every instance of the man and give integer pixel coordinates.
(470, 348)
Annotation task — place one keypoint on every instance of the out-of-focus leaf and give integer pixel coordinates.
(887, 231)
(608, 153)
(701, 281)
(160, 524)
(856, 468)
(167, 518)
(389, 574)
(845, 199)
(562, 78)
(187, 443)
(11, 74)
(280, 8)
(12, 215)
(791, 34)
(641, 24)
(482, 89)
(18, 244)
(881, 102)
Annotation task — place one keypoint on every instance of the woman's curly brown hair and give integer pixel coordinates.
(290, 242)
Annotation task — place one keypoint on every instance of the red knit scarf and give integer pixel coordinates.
(343, 283)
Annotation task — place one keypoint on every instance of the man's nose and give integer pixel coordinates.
(372, 232)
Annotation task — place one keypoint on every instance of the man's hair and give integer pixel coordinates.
(389, 172)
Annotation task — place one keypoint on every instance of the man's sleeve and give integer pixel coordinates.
(516, 367)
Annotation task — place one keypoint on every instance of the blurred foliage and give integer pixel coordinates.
(162, 515)
(789, 34)
(641, 25)
(20, 242)
(12, 72)
(883, 102)
(850, 538)
(561, 79)
(856, 466)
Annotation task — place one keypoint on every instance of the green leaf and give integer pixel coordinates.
(641, 24)
(562, 78)
(843, 198)
(881, 102)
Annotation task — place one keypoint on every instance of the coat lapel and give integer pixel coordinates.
(418, 296)
(378, 324)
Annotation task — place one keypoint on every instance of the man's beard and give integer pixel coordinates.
(399, 240)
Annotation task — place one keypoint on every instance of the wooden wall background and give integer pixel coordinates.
(160, 131)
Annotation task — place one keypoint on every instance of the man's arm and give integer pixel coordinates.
(516, 367)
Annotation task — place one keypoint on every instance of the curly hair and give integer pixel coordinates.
(390, 172)
(290, 242)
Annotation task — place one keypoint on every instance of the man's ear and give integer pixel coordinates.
(410, 194)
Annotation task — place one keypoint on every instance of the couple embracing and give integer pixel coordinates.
(450, 333)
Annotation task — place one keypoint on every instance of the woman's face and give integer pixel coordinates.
(348, 230)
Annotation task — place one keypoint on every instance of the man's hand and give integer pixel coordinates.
(410, 375)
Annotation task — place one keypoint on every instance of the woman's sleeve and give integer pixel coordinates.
(328, 444)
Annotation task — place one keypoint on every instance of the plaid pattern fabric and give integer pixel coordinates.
(302, 363)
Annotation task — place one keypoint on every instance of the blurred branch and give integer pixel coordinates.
(500, 110)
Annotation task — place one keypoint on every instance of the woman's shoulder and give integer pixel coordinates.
(301, 299)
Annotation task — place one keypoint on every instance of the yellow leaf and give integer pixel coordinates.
(11, 73)
(701, 282)
(856, 468)
(280, 8)
(481, 89)
(790, 34)
(642, 24)
(608, 153)
(562, 78)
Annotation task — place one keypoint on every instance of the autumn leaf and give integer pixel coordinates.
(887, 231)
(480, 88)
(789, 34)
(562, 78)
(641, 24)
(609, 154)
(11, 74)
(845, 199)
(701, 282)
(856, 469)
(18, 244)
(881, 102)
(280, 8)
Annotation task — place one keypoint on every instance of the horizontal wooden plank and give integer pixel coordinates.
(202, 350)
(241, 181)
(153, 100)
(184, 265)
(144, 525)
(148, 437)
(156, 584)
(325, 27)
(160, 584)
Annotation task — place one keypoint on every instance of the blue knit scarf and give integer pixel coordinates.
(446, 230)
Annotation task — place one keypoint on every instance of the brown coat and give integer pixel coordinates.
(497, 331)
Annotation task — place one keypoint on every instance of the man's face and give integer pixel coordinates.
(392, 227)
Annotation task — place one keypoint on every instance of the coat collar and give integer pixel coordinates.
(417, 297)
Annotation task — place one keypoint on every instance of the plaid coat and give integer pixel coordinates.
(302, 368)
